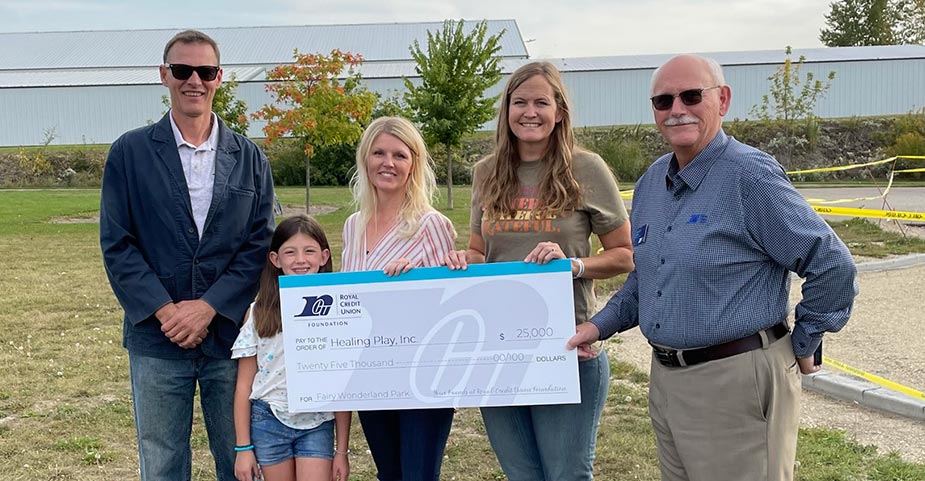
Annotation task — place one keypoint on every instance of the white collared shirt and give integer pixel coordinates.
(199, 169)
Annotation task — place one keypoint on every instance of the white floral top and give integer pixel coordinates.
(270, 381)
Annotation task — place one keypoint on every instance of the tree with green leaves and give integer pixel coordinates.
(455, 71)
(391, 105)
(874, 22)
(853, 23)
(318, 99)
(230, 109)
(910, 23)
(792, 97)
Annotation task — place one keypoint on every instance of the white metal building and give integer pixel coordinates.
(89, 87)
(883, 80)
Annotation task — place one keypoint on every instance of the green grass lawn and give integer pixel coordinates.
(65, 405)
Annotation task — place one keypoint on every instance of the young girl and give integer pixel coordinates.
(285, 446)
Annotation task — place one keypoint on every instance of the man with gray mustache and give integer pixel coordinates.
(717, 229)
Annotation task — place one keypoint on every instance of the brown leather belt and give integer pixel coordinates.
(690, 357)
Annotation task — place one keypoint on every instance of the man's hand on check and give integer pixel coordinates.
(585, 335)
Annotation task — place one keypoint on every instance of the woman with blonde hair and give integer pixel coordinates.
(535, 198)
(395, 229)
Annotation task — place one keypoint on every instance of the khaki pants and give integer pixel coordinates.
(733, 419)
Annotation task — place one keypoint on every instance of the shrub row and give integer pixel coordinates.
(627, 149)
(44, 167)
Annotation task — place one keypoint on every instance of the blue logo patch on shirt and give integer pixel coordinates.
(697, 219)
(639, 235)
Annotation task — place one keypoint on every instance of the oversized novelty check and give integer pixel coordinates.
(492, 335)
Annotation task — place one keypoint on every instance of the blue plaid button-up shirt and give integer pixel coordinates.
(714, 245)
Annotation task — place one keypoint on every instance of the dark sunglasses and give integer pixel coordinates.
(688, 97)
(207, 73)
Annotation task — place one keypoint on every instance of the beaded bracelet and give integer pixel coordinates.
(343, 453)
(244, 448)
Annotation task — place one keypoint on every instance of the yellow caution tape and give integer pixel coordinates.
(628, 194)
(843, 201)
(869, 213)
(847, 211)
(841, 167)
(858, 166)
(883, 195)
(874, 378)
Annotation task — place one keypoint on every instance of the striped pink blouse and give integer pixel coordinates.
(426, 248)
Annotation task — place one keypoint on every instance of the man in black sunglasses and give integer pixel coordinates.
(186, 216)
(717, 230)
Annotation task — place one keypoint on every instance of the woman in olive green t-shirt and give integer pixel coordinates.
(536, 198)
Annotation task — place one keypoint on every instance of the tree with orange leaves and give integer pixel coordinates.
(318, 99)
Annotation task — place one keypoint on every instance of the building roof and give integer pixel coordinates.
(378, 42)
(58, 59)
(753, 57)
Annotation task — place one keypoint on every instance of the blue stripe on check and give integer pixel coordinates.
(425, 274)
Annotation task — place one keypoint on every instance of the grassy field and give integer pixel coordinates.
(65, 406)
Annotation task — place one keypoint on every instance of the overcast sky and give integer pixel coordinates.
(551, 28)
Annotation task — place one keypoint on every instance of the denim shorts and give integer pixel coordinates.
(274, 442)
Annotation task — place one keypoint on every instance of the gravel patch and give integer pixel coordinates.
(908, 229)
(74, 220)
(316, 209)
(288, 211)
(883, 337)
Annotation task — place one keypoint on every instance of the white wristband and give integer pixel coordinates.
(581, 267)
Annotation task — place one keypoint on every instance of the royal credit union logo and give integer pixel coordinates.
(316, 306)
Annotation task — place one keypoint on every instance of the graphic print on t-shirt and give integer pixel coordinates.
(524, 219)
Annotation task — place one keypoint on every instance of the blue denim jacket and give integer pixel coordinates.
(152, 251)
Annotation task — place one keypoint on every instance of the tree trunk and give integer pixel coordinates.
(308, 184)
(449, 178)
